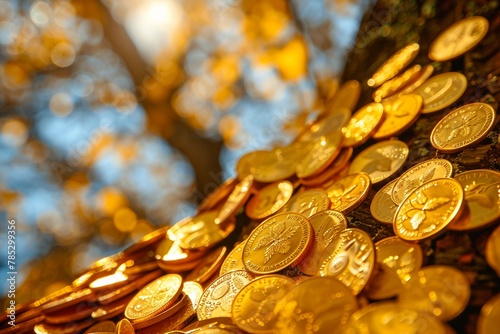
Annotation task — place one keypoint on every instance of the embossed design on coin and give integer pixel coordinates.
(458, 38)
(218, 297)
(253, 306)
(381, 160)
(349, 192)
(382, 206)
(400, 114)
(322, 153)
(429, 209)
(269, 200)
(352, 261)
(441, 90)
(482, 193)
(419, 174)
(278, 242)
(234, 260)
(204, 232)
(308, 202)
(154, 297)
(463, 127)
(327, 227)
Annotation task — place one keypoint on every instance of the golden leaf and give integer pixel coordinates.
(417, 219)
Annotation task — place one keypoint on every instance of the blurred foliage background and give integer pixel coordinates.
(119, 116)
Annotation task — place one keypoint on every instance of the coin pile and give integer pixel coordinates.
(272, 251)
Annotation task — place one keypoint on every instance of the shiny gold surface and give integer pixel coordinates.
(428, 210)
(463, 127)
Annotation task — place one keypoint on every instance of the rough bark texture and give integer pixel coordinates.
(384, 30)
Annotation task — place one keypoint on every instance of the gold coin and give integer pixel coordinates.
(332, 123)
(211, 263)
(482, 193)
(244, 167)
(492, 250)
(396, 84)
(215, 197)
(327, 227)
(441, 90)
(269, 200)
(352, 261)
(316, 305)
(458, 38)
(218, 297)
(419, 174)
(194, 291)
(392, 66)
(234, 260)
(308, 202)
(428, 210)
(253, 306)
(349, 192)
(204, 232)
(322, 153)
(380, 161)
(102, 326)
(179, 304)
(390, 317)
(362, 124)
(124, 327)
(278, 242)
(463, 127)
(154, 298)
(399, 115)
(488, 321)
(442, 291)
(382, 207)
(331, 171)
(397, 261)
(346, 96)
(271, 166)
(236, 199)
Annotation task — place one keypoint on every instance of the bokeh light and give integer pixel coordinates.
(100, 102)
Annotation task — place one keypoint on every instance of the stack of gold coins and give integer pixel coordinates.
(274, 250)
